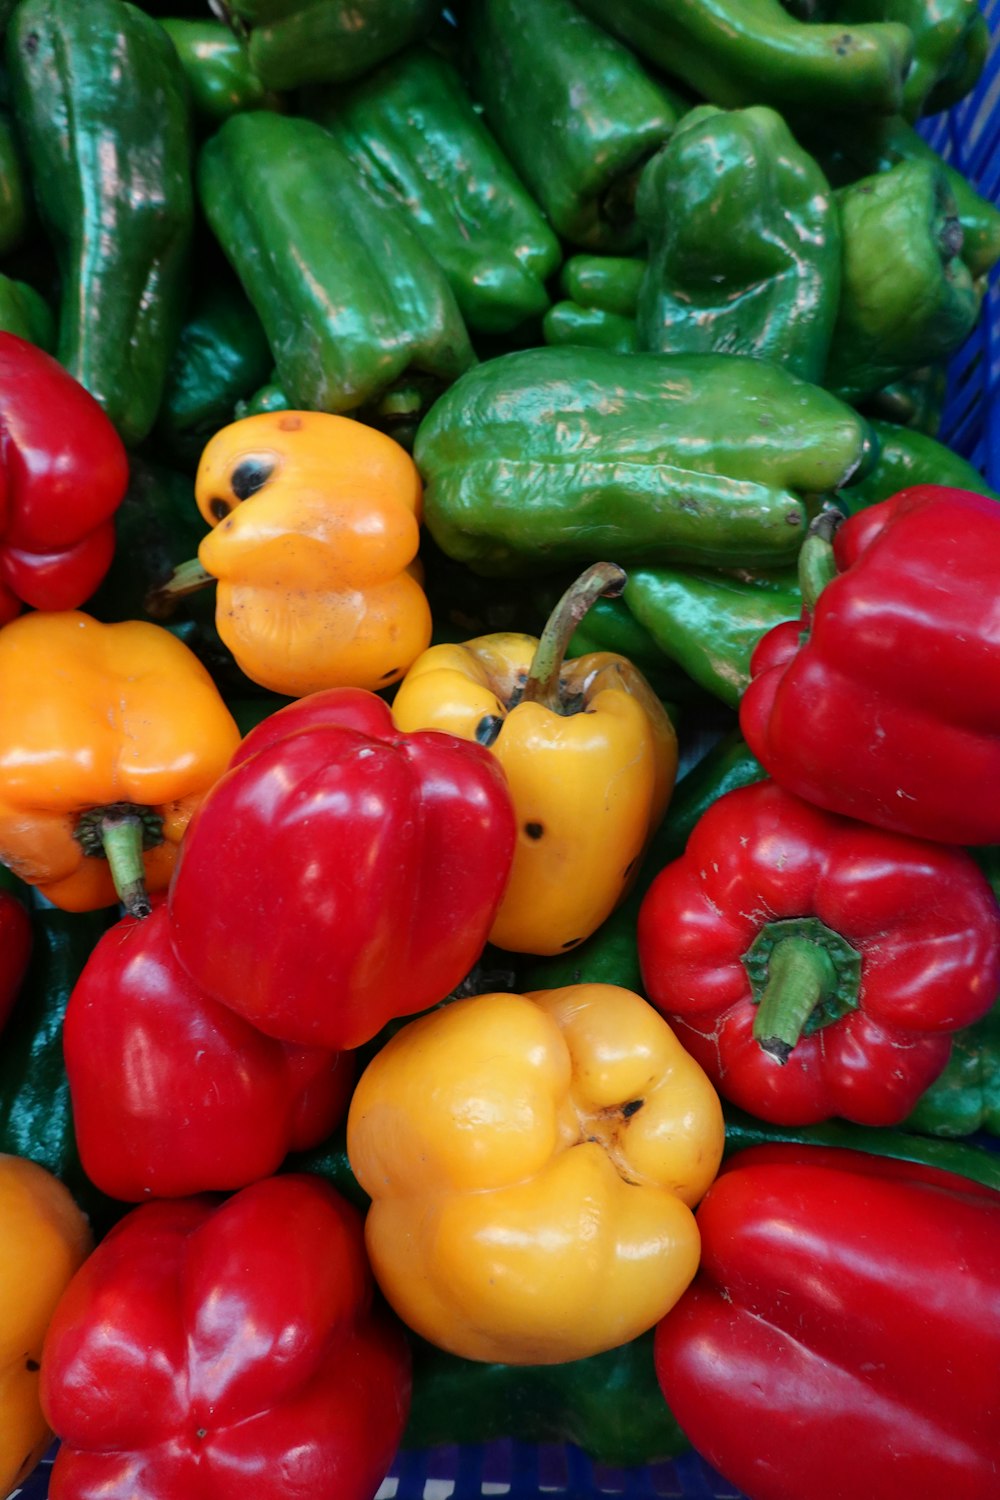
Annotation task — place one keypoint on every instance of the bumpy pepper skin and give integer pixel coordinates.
(412, 129)
(739, 52)
(45, 1240)
(226, 1348)
(575, 111)
(352, 302)
(549, 457)
(291, 42)
(590, 778)
(830, 1345)
(217, 68)
(533, 1160)
(870, 948)
(880, 704)
(315, 528)
(907, 458)
(769, 286)
(97, 717)
(907, 296)
(341, 873)
(63, 474)
(109, 151)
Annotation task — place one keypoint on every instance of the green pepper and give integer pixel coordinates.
(109, 151)
(738, 52)
(412, 129)
(574, 110)
(609, 625)
(965, 1098)
(222, 357)
(217, 68)
(744, 243)
(592, 327)
(268, 397)
(15, 205)
(291, 42)
(36, 1116)
(907, 297)
(609, 282)
(907, 458)
(916, 400)
(709, 623)
(550, 457)
(24, 311)
(359, 316)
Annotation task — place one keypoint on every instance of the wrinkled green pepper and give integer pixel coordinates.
(738, 52)
(744, 243)
(217, 67)
(916, 400)
(965, 1098)
(109, 153)
(907, 296)
(291, 42)
(576, 113)
(24, 311)
(359, 317)
(548, 457)
(412, 129)
(907, 458)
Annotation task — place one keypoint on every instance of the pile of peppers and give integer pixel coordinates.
(499, 746)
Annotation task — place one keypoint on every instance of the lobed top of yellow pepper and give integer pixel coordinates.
(533, 1161)
(315, 531)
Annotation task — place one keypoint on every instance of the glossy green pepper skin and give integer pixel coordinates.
(109, 153)
(609, 282)
(217, 67)
(550, 457)
(744, 243)
(593, 327)
(291, 42)
(412, 129)
(907, 297)
(965, 1098)
(575, 111)
(739, 52)
(353, 304)
(710, 623)
(24, 311)
(908, 458)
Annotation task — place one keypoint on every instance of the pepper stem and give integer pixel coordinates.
(817, 566)
(187, 578)
(601, 580)
(122, 834)
(801, 975)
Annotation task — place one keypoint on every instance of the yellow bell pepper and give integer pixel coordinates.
(533, 1161)
(45, 1239)
(110, 736)
(590, 757)
(315, 530)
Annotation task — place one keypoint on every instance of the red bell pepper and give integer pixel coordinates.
(174, 1093)
(883, 703)
(842, 1337)
(63, 474)
(815, 966)
(341, 873)
(15, 946)
(218, 1352)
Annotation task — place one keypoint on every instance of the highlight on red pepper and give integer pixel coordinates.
(341, 873)
(883, 703)
(175, 1094)
(63, 474)
(15, 951)
(813, 965)
(227, 1349)
(110, 735)
(842, 1336)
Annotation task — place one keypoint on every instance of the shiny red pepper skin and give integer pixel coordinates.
(175, 1094)
(220, 1351)
(63, 474)
(341, 873)
(15, 946)
(922, 917)
(842, 1337)
(884, 705)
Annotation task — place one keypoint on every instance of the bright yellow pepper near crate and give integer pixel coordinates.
(589, 753)
(533, 1162)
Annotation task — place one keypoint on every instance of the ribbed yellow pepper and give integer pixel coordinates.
(590, 759)
(533, 1161)
(45, 1239)
(315, 530)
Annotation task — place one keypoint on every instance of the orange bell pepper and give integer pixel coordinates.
(45, 1240)
(110, 735)
(315, 531)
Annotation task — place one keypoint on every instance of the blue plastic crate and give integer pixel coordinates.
(969, 137)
